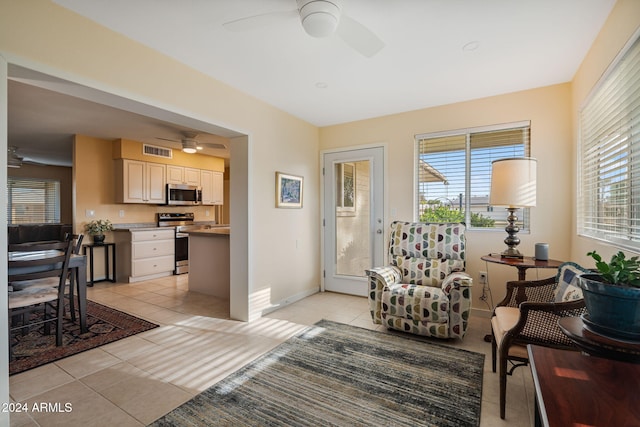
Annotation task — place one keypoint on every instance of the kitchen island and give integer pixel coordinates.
(209, 261)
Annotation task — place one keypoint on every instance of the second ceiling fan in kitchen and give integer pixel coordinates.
(191, 144)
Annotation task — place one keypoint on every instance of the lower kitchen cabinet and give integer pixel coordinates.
(145, 254)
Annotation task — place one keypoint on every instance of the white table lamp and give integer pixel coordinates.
(513, 184)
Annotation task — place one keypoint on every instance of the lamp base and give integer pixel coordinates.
(512, 240)
(512, 253)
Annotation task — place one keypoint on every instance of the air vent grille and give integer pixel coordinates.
(152, 150)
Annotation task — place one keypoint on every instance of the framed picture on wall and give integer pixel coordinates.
(288, 190)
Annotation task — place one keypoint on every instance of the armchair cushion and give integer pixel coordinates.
(426, 272)
(430, 241)
(567, 288)
(414, 302)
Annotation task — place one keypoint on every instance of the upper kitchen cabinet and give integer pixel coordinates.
(140, 182)
(212, 184)
(183, 175)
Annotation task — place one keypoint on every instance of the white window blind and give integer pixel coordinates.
(453, 172)
(32, 201)
(609, 193)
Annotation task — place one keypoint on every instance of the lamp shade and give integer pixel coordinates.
(513, 182)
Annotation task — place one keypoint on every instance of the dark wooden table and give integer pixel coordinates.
(574, 389)
(110, 274)
(596, 344)
(78, 266)
(522, 264)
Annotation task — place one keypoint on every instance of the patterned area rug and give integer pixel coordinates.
(333, 374)
(105, 325)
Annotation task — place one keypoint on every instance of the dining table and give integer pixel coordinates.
(78, 268)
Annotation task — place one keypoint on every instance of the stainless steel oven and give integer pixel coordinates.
(180, 221)
(182, 253)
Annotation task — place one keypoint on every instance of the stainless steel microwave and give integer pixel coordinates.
(183, 194)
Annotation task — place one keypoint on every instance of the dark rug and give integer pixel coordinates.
(105, 325)
(333, 374)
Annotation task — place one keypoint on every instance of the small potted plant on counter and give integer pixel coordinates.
(612, 296)
(96, 229)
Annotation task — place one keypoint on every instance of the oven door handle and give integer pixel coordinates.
(181, 235)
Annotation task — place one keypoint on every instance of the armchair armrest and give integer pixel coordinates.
(457, 287)
(379, 278)
(519, 291)
(385, 275)
(538, 323)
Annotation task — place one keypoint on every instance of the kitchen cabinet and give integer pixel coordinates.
(145, 254)
(212, 183)
(140, 182)
(183, 175)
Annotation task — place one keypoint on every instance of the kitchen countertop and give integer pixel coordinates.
(216, 231)
(153, 226)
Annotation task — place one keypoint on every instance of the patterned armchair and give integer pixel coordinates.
(424, 290)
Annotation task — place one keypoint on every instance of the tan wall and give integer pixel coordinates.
(63, 174)
(126, 149)
(547, 108)
(621, 25)
(284, 243)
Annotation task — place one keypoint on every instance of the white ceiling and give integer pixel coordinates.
(521, 44)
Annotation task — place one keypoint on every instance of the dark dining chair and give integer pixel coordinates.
(32, 267)
(72, 282)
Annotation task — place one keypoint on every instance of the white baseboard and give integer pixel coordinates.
(290, 300)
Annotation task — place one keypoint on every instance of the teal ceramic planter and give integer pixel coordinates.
(612, 310)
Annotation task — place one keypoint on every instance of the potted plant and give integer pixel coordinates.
(96, 228)
(612, 296)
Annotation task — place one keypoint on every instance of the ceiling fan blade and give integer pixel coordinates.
(34, 162)
(359, 37)
(167, 139)
(213, 145)
(257, 21)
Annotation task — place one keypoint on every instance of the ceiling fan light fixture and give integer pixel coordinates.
(319, 18)
(189, 145)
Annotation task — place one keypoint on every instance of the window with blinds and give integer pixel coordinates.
(32, 201)
(609, 180)
(453, 172)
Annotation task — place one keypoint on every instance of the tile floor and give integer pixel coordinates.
(136, 380)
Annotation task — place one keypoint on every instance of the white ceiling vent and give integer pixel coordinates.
(153, 150)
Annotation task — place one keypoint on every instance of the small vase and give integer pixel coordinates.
(98, 239)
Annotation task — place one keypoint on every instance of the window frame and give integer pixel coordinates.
(524, 219)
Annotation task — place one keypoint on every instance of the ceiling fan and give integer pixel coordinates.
(15, 160)
(319, 18)
(191, 145)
